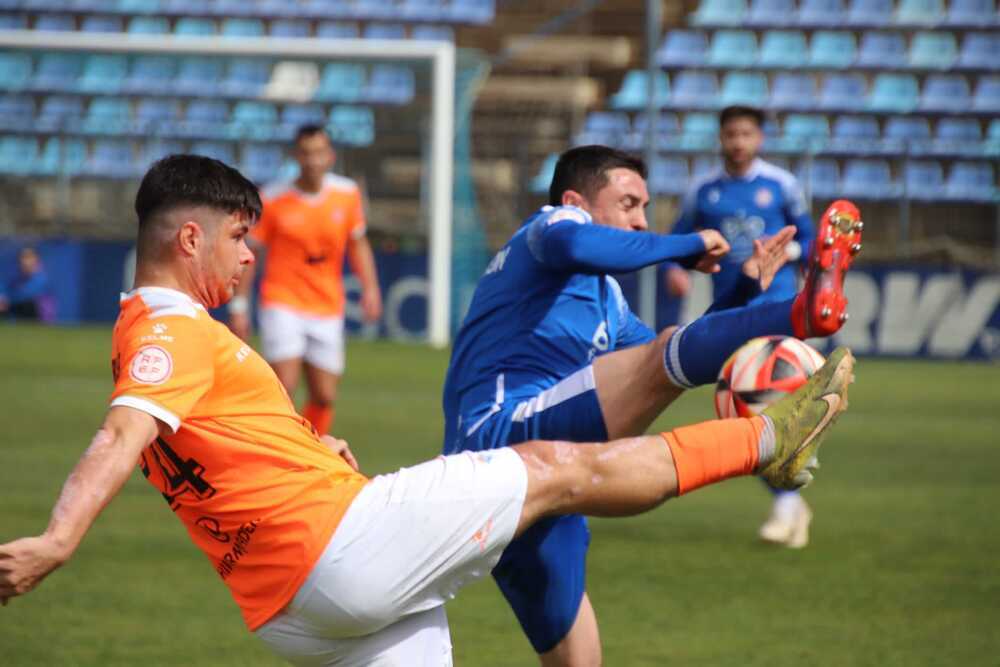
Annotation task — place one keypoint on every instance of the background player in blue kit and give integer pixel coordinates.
(550, 349)
(747, 199)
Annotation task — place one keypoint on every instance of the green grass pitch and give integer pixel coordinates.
(902, 568)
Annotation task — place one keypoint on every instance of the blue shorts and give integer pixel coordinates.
(542, 572)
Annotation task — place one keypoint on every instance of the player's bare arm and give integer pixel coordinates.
(362, 259)
(97, 478)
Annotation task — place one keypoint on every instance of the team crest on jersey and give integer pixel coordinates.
(763, 197)
(713, 196)
(571, 214)
(151, 365)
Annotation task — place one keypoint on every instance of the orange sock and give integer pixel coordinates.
(320, 416)
(713, 451)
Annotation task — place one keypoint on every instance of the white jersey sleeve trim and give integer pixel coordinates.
(150, 408)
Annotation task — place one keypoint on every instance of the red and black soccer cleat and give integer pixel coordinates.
(820, 309)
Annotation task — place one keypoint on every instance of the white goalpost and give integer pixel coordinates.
(440, 161)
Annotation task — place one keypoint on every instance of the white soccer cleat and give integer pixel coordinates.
(788, 524)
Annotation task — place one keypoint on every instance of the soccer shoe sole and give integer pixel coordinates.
(802, 420)
(838, 240)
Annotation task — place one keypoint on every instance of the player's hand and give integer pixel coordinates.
(25, 562)
(677, 281)
(240, 324)
(371, 305)
(338, 446)
(769, 255)
(716, 247)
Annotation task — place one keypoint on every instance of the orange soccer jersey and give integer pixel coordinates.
(256, 489)
(306, 236)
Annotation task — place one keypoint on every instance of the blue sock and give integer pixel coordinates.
(696, 351)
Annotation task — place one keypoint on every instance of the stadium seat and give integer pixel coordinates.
(634, 91)
(857, 135)
(194, 26)
(150, 74)
(242, 27)
(338, 30)
(842, 92)
(204, 118)
(341, 82)
(971, 181)
(669, 176)
(894, 92)
(695, 90)
(154, 150)
(245, 77)
(783, 48)
(971, 13)
(423, 10)
(108, 115)
(215, 149)
(540, 182)
(919, 12)
(13, 21)
(957, 136)
(732, 48)
(867, 178)
(439, 33)
(699, 132)
(704, 165)
(980, 50)
(111, 158)
(770, 13)
(232, 8)
(987, 96)
(869, 13)
(63, 156)
(471, 11)
(803, 132)
(198, 76)
(375, 9)
(15, 71)
(793, 91)
(390, 84)
(182, 7)
(683, 48)
(832, 49)
(384, 31)
(157, 117)
(18, 155)
(149, 25)
(991, 147)
(102, 24)
(59, 113)
(610, 128)
(907, 134)
(933, 50)
(819, 176)
(719, 12)
(252, 120)
(821, 13)
(946, 92)
(294, 116)
(102, 74)
(261, 162)
(882, 50)
(55, 72)
(289, 28)
(138, 6)
(667, 131)
(743, 88)
(17, 112)
(55, 23)
(278, 8)
(923, 180)
(351, 125)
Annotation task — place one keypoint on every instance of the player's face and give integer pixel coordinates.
(225, 256)
(315, 155)
(622, 202)
(741, 140)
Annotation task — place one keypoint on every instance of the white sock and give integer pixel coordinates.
(766, 444)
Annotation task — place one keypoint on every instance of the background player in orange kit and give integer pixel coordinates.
(306, 228)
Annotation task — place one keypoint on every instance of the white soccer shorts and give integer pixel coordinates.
(287, 334)
(406, 545)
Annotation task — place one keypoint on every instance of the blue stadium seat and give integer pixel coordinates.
(338, 30)
(869, 13)
(261, 162)
(150, 74)
(390, 84)
(252, 120)
(842, 92)
(719, 12)
(56, 72)
(933, 50)
(610, 128)
(894, 92)
(820, 177)
(242, 27)
(803, 132)
(55, 23)
(634, 91)
(232, 8)
(919, 12)
(384, 31)
(987, 94)
(540, 182)
(374, 9)
(326, 9)
(290, 28)
(59, 112)
(423, 10)
(783, 48)
(704, 164)
(198, 76)
(743, 88)
(154, 150)
(858, 135)
(732, 48)
(971, 13)
(946, 92)
(770, 13)
(149, 25)
(667, 131)
(15, 71)
(669, 176)
(215, 149)
(204, 118)
(62, 156)
(351, 125)
(882, 50)
(102, 24)
(13, 21)
(957, 136)
(157, 117)
(246, 77)
(980, 50)
(102, 74)
(991, 147)
(17, 112)
(867, 178)
(341, 82)
(138, 6)
(699, 132)
(18, 155)
(695, 90)
(192, 26)
(294, 116)
(440, 33)
(107, 115)
(832, 49)
(182, 7)
(471, 11)
(793, 91)
(971, 181)
(907, 134)
(923, 180)
(111, 158)
(278, 8)
(683, 48)
(821, 13)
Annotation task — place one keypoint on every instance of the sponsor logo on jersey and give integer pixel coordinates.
(151, 365)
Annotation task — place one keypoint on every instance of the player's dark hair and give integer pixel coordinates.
(740, 111)
(584, 169)
(309, 130)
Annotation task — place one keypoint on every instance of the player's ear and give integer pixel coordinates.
(573, 198)
(190, 237)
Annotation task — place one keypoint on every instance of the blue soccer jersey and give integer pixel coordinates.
(744, 209)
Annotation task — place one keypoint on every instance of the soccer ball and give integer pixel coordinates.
(763, 371)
